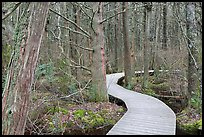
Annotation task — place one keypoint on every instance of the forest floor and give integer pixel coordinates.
(171, 88)
(50, 114)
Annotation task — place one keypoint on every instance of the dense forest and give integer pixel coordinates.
(56, 55)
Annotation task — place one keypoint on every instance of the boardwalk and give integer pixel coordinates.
(145, 115)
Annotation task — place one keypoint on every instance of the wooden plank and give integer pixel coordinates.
(145, 114)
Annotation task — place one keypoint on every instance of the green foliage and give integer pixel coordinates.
(54, 109)
(72, 87)
(88, 119)
(149, 91)
(129, 86)
(196, 102)
(79, 113)
(92, 95)
(56, 124)
(160, 86)
(46, 70)
(199, 124)
(192, 128)
(6, 54)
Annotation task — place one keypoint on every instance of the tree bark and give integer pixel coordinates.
(98, 66)
(116, 41)
(14, 112)
(192, 52)
(164, 40)
(127, 58)
(147, 10)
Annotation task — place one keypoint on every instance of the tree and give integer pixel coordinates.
(98, 66)
(15, 101)
(192, 52)
(147, 11)
(164, 40)
(127, 58)
(116, 40)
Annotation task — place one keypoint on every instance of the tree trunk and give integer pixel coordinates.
(98, 66)
(120, 40)
(192, 52)
(15, 102)
(116, 41)
(156, 42)
(127, 58)
(164, 40)
(147, 10)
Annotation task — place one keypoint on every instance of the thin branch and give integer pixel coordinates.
(70, 22)
(87, 7)
(77, 32)
(79, 66)
(106, 4)
(89, 49)
(187, 42)
(92, 23)
(111, 16)
(9, 12)
(77, 45)
(72, 93)
(54, 35)
(77, 4)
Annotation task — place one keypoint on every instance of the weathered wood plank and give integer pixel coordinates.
(146, 115)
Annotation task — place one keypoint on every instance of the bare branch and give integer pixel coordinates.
(54, 35)
(71, 22)
(79, 66)
(87, 7)
(92, 23)
(89, 49)
(74, 31)
(186, 37)
(77, 4)
(111, 16)
(11, 11)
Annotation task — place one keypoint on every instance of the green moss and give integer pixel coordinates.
(161, 86)
(54, 109)
(191, 127)
(79, 113)
(149, 91)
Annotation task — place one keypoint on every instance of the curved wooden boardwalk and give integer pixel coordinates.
(145, 114)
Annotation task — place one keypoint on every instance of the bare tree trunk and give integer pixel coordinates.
(73, 48)
(98, 66)
(120, 47)
(79, 59)
(116, 41)
(158, 23)
(15, 102)
(164, 41)
(127, 58)
(147, 10)
(192, 52)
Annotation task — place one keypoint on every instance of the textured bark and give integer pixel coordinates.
(133, 43)
(156, 42)
(127, 58)
(98, 66)
(73, 48)
(79, 59)
(146, 22)
(14, 112)
(116, 41)
(191, 34)
(164, 40)
(120, 47)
